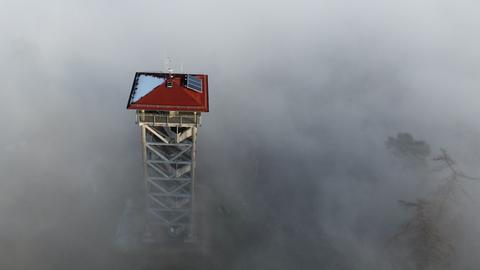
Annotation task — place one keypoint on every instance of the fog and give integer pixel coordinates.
(303, 95)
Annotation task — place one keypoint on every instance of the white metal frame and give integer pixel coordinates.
(169, 140)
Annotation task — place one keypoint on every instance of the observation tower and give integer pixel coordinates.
(168, 108)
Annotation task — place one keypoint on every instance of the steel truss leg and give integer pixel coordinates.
(169, 163)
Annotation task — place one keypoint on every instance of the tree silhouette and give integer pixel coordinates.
(422, 235)
(407, 148)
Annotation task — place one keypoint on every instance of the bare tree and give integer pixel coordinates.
(422, 236)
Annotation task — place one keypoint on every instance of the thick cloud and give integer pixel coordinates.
(303, 96)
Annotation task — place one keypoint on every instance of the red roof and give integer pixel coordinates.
(169, 92)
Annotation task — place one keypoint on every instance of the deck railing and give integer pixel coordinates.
(169, 118)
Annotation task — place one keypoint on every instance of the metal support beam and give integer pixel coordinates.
(169, 165)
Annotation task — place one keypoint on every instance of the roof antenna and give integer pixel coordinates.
(168, 67)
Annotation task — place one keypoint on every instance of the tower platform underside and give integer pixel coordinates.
(169, 140)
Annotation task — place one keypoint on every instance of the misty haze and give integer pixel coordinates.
(341, 134)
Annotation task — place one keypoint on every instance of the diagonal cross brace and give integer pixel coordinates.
(184, 135)
(154, 132)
